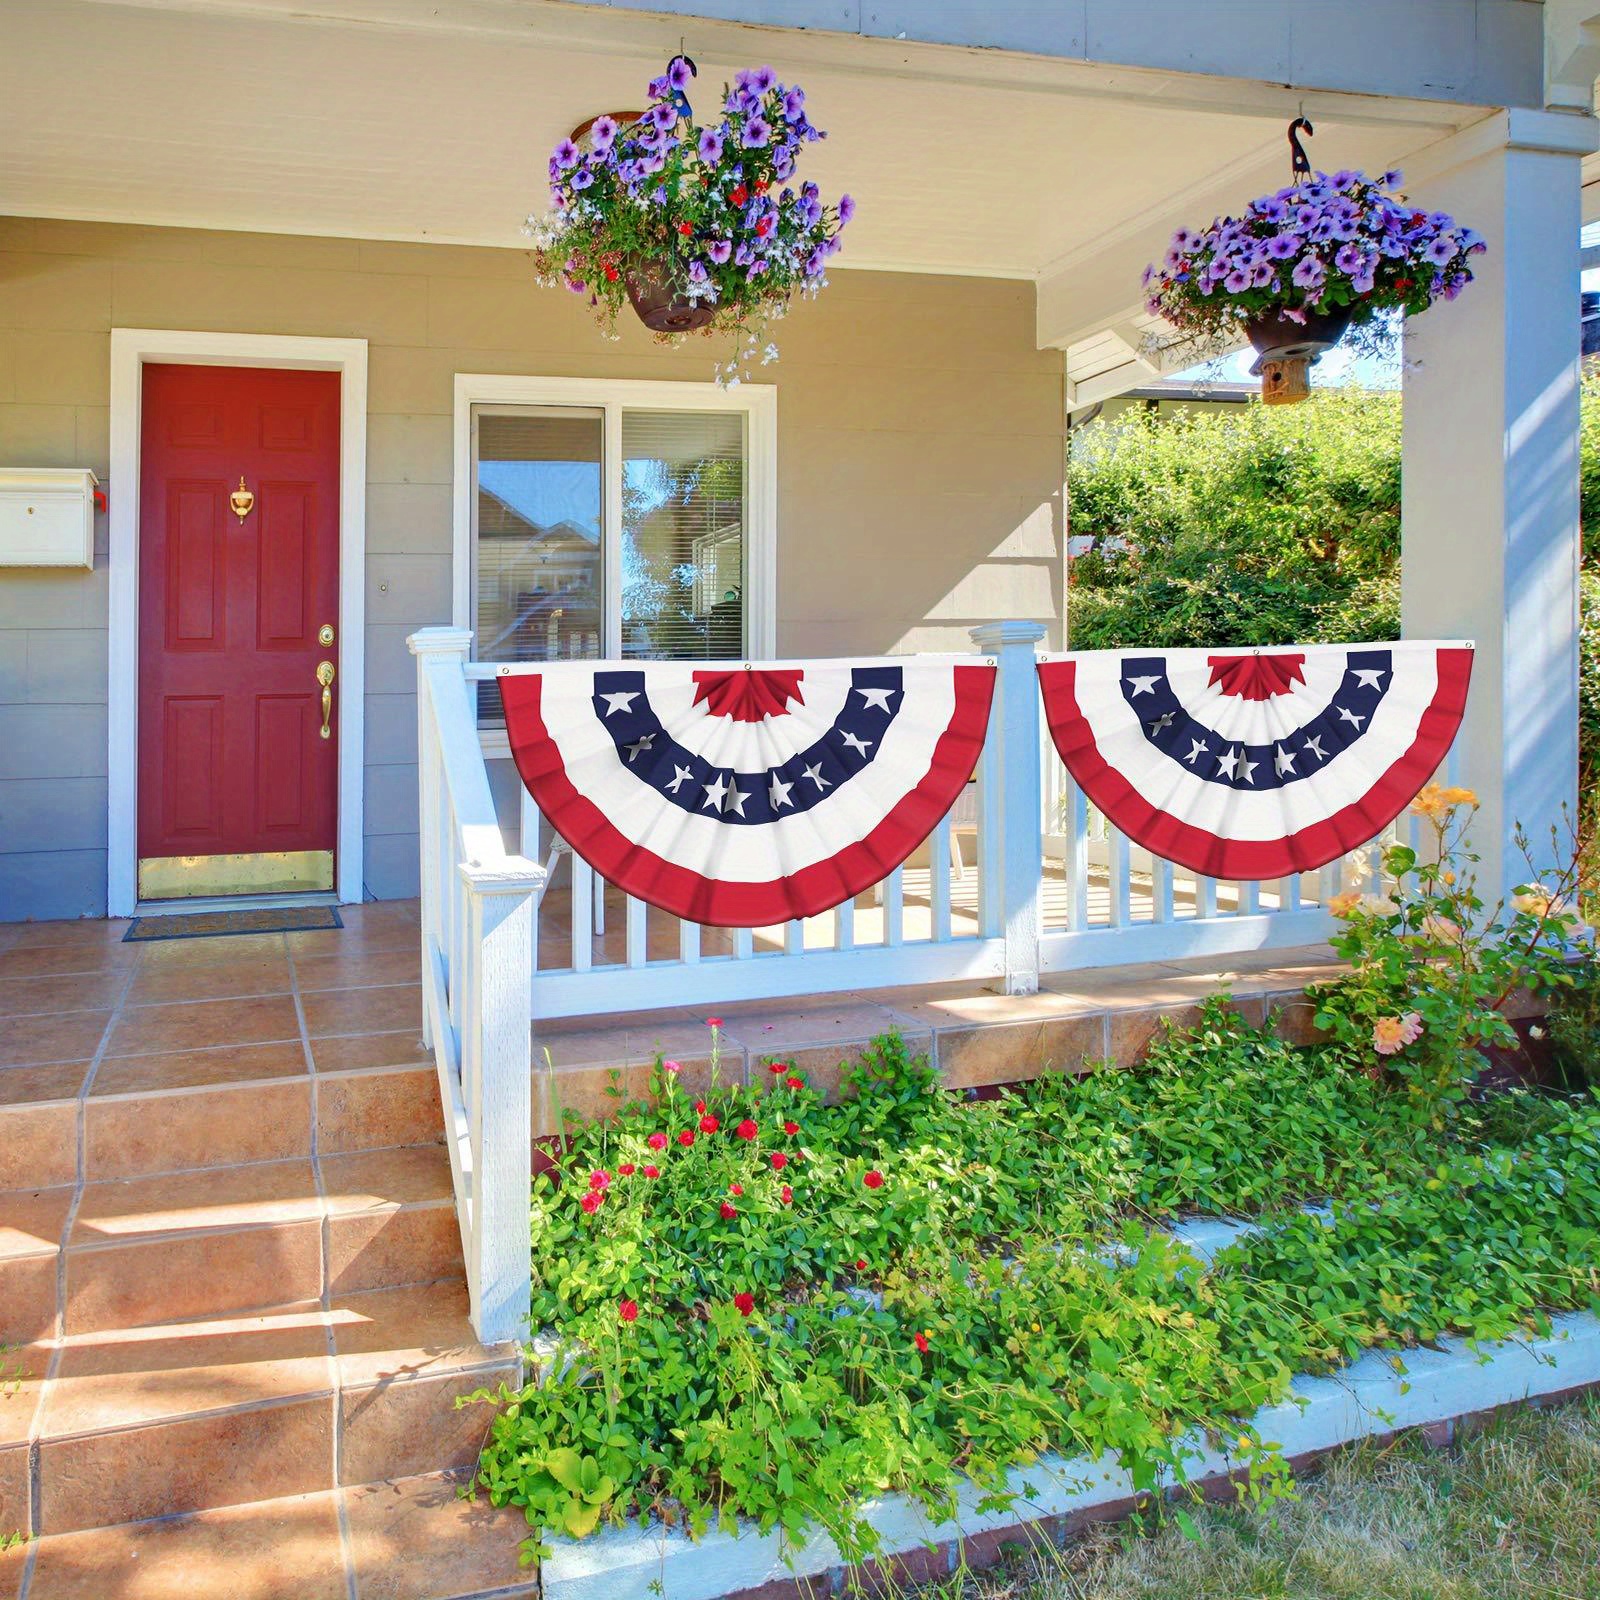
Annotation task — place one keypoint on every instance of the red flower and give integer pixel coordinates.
(791, 1128)
(686, 228)
(611, 273)
(709, 1124)
(652, 1172)
(729, 1211)
(735, 1188)
(762, 185)
(764, 227)
(873, 1179)
(599, 1180)
(861, 1263)
(628, 1311)
(795, 1083)
(777, 1068)
(786, 1194)
(592, 1201)
(745, 1303)
(627, 1169)
(779, 1160)
(686, 1138)
(739, 195)
(657, 1141)
(713, 1022)
(700, 1106)
(747, 1129)
(920, 1340)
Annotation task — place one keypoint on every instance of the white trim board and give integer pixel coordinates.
(131, 348)
(758, 402)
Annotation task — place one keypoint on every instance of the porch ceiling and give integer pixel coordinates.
(398, 119)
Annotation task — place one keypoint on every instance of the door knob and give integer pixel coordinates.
(325, 678)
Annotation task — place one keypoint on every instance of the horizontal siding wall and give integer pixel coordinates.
(919, 457)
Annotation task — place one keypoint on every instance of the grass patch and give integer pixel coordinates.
(1511, 1512)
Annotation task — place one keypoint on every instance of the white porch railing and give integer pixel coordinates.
(478, 911)
(1022, 878)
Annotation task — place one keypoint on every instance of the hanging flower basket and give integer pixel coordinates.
(697, 227)
(1302, 266)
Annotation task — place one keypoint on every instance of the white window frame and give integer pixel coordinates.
(757, 402)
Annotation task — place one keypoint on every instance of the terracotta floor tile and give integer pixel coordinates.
(210, 1127)
(156, 983)
(28, 1299)
(38, 1145)
(16, 1516)
(119, 1378)
(374, 1110)
(226, 1197)
(80, 991)
(167, 1468)
(222, 949)
(401, 1426)
(357, 970)
(20, 1086)
(369, 1178)
(362, 1010)
(417, 1538)
(387, 1248)
(62, 1036)
(634, 1043)
(407, 1332)
(93, 932)
(25, 1366)
(779, 1027)
(285, 1549)
(193, 1069)
(194, 1025)
(32, 1220)
(348, 1052)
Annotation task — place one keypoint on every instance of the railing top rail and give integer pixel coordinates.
(485, 671)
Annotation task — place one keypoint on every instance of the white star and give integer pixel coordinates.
(815, 775)
(1284, 761)
(1315, 747)
(639, 747)
(1144, 685)
(1369, 677)
(1350, 717)
(714, 795)
(736, 800)
(1162, 722)
(1247, 768)
(621, 701)
(860, 746)
(876, 697)
(680, 776)
(778, 794)
(1228, 762)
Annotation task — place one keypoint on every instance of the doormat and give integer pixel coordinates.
(222, 924)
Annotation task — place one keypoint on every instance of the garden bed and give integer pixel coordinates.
(791, 1336)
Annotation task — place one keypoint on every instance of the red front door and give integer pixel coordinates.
(238, 613)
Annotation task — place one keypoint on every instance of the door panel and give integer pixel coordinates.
(238, 788)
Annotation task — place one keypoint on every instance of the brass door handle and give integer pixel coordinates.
(325, 678)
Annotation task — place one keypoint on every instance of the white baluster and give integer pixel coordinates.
(939, 882)
(894, 908)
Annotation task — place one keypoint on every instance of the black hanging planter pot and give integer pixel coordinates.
(1285, 350)
(660, 307)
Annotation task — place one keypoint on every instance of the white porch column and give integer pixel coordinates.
(1012, 863)
(1490, 471)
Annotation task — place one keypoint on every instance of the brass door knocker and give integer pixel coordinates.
(241, 500)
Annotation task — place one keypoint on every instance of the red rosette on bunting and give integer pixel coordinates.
(742, 797)
(1255, 764)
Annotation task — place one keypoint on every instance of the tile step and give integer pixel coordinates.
(137, 1423)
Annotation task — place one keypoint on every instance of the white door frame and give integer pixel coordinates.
(131, 348)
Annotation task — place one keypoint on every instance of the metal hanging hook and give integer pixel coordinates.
(1299, 161)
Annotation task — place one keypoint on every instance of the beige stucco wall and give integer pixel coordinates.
(920, 454)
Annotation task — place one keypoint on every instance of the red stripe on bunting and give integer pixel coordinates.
(1215, 857)
(716, 904)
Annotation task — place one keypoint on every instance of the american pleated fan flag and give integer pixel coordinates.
(1255, 764)
(740, 796)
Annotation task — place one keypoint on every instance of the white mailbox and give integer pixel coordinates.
(47, 517)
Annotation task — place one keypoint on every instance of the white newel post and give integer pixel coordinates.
(1490, 470)
(496, 1066)
(1013, 858)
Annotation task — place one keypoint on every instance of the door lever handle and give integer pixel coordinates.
(325, 678)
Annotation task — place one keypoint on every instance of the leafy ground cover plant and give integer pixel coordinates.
(760, 1307)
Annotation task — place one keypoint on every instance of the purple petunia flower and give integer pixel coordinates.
(1273, 209)
(664, 116)
(697, 272)
(814, 264)
(566, 155)
(719, 250)
(1350, 258)
(1344, 178)
(1237, 281)
(756, 269)
(1283, 245)
(763, 79)
(582, 178)
(603, 134)
(680, 74)
(744, 255)
(1309, 272)
(1439, 250)
(711, 145)
(794, 104)
(1261, 274)
(847, 208)
(1362, 282)
(756, 134)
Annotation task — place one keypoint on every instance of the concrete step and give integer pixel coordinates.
(176, 1417)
